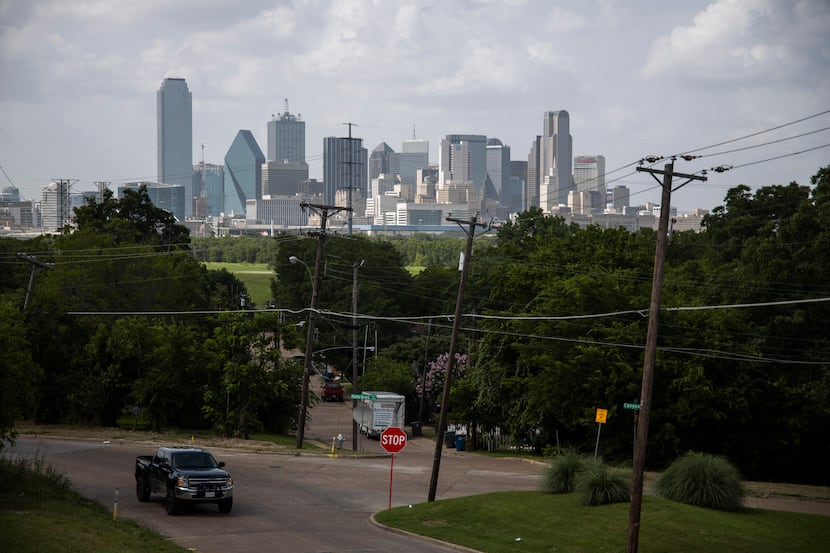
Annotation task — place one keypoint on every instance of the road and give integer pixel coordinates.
(297, 503)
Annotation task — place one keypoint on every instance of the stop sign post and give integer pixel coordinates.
(392, 440)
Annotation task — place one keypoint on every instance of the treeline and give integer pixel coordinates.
(554, 328)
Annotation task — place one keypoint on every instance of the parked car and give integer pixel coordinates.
(331, 391)
(183, 475)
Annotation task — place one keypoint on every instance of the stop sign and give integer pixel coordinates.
(393, 439)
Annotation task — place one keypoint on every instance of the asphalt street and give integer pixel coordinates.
(293, 503)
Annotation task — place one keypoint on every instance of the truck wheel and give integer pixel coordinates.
(172, 507)
(142, 490)
(225, 505)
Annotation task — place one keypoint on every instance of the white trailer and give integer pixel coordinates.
(376, 411)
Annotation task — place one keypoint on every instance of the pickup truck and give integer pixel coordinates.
(183, 476)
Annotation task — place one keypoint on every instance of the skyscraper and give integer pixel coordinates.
(589, 176)
(174, 140)
(243, 173)
(498, 166)
(462, 158)
(286, 138)
(555, 180)
(342, 168)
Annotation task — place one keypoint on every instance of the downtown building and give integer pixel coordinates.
(345, 163)
(243, 174)
(555, 161)
(174, 140)
(589, 194)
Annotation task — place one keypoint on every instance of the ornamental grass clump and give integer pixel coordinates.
(560, 477)
(703, 480)
(599, 485)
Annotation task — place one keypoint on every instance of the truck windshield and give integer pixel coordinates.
(194, 460)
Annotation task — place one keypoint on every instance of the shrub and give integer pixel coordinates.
(560, 477)
(599, 485)
(703, 480)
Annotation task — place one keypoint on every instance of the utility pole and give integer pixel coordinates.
(350, 163)
(636, 504)
(37, 266)
(355, 387)
(325, 211)
(456, 324)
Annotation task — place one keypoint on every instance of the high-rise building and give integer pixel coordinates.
(243, 173)
(209, 186)
(415, 146)
(589, 176)
(174, 140)
(462, 158)
(380, 162)
(555, 180)
(283, 179)
(54, 204)
(498, 167)
(534, 171)
(514, 197)
(344, 167)
(286, 138)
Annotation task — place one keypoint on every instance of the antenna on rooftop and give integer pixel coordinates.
(286, 106)
(413, 132)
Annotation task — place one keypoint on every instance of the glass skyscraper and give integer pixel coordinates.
(174, 124)
(286, 138)
(243, 173)
(343, 168)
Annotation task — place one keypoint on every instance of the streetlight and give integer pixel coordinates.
(308, 343)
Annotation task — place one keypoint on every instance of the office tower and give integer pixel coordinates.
(620, 198)
(589, 176)
(344, 168)
(462, 159)
(416, 147)
(514, 198)
(380, 162)
(54, 204)
(534, 171)
(243, 173)
(174, 140)
(286, 138)
(283, 179)
(498, 168)
(209, 187)
(555, 180)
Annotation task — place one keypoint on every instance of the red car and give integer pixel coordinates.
(331, 391)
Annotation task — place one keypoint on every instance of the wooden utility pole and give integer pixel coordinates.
(355, 386)
(456, 324)
(636, 504)
(325, 211)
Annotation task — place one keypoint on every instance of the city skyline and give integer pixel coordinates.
(638, 79)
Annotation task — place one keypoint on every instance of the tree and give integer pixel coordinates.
(18, 372)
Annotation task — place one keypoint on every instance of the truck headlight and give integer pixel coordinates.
(230, 481)
(183, 482)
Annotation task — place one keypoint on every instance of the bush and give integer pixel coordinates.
(703, 480)
(560, 477)
(599, 485)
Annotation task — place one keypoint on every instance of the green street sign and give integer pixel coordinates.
(370, 397)
(635, 406)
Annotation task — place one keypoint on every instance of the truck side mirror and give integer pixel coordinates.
(220, 464)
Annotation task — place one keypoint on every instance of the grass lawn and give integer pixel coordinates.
(40, 512)
(493, 523)
(255, 276)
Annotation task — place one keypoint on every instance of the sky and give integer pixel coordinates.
(78, 82)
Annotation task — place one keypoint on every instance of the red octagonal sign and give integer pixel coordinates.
(393, 439)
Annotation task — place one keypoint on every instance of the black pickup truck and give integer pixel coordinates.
(183, 475)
